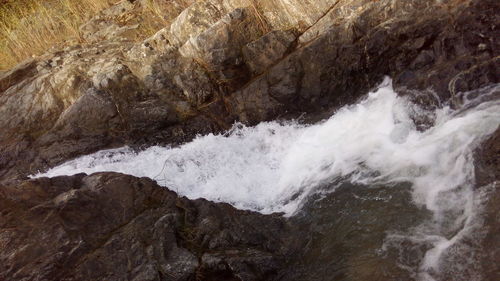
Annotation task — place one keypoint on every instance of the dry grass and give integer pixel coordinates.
(31, 27)
(263, 24)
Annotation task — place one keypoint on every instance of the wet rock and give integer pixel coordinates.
(490, 246)
(487, 161)
(112, 227)
(269, 95)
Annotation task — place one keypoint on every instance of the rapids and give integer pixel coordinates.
(376, 143)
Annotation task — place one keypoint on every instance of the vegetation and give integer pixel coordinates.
(31, 27)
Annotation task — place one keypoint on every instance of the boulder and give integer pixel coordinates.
(111, 226)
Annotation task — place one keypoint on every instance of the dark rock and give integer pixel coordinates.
(17, 74)
(268, 50)
(111, 226)
(487, 161)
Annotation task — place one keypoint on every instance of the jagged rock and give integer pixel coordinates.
(487, 161)
(218, 48)
(346, 48)
(17, 74)
(110, 226)
(119, 22)
(194, 20)
(270, 95)
(342, 63)
(196, 85)
(268, 50)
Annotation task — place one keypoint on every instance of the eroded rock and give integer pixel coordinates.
(113, 227)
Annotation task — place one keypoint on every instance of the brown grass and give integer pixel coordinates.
(263, 24)
(31, 27)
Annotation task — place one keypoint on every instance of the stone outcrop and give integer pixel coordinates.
(116, 227)
(221, 61)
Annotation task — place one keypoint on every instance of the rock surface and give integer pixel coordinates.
(115, 227)
(213, 66)
(219, 61)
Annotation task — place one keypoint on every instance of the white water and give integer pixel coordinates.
(274, 167)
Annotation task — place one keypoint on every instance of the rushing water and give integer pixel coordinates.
(375, 144)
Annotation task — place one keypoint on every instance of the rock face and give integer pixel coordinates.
(217, 62)
(116, 227)
(221, 61)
